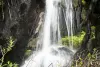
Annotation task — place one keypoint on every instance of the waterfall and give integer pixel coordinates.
(51, 25)
(68, 15)
(52, 53)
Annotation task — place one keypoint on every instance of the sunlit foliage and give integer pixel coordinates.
(77, 40)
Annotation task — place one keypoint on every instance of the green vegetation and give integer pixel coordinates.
(1, 2)
(83, 15)
(75, 3)
(4, 51)
(83, 2)
(89, 61)
(28, 52)
(77, 40)
(93, 32)
(9, 64)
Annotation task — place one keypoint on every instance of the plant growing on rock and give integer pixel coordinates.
(4, 51)
(75, 39)
(89, 61)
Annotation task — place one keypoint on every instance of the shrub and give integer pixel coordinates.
(76, 40)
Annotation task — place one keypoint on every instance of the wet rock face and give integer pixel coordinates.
(96, 22)
(21, 18)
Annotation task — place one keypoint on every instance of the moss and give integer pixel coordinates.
(83, 2)
(93, 32)
(1, 2)
(32, 43)
(83, 15)
(28, 52)
(75, 3)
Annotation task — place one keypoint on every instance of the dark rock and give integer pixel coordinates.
(21, 18)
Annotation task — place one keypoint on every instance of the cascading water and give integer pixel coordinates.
(53, 54)
(68, 18)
